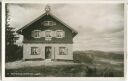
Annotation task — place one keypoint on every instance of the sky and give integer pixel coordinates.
(100, 26)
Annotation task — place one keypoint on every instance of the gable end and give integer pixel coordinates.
(74, 32)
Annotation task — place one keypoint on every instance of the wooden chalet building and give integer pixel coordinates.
(47, 37)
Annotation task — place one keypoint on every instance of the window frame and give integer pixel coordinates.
(49, 23)
(60, 31)
(65, 50)
(36, 49)
(50, 33)
(33, 32)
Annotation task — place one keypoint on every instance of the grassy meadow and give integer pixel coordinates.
(87, 64)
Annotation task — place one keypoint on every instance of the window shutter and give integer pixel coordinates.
(32, 33)
(54, 23)
(53, 33)
(63, 34)
(42, 34)
(38, 50)
(67, 50)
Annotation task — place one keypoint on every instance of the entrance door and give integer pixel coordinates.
(48, 52)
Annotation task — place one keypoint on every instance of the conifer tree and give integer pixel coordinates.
(10, 37)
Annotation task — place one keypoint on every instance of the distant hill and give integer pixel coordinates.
(116, 55)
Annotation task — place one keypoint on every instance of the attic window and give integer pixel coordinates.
(60, 34)
(49, 23)
(48, 34)
(36, 33)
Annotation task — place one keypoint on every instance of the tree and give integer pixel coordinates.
(11, 37)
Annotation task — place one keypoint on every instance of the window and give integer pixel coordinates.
(60, 34)
(48, 34)
(49, 23)
(36, 33)
(63, 51)
(35, 51)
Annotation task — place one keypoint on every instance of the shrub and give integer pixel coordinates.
(82, 58)
(13, 53)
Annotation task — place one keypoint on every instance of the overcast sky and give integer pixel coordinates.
(99, 26)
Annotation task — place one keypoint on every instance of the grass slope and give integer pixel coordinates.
(104, 64)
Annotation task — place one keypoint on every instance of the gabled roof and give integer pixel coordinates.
(27, 25)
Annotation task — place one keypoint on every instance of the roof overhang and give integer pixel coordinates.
(27, 25)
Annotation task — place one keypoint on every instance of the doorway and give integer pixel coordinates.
(48, 52)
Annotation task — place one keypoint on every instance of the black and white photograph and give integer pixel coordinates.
(0, 41)
(64, 40)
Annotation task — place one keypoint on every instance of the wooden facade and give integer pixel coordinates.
(47, 37)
